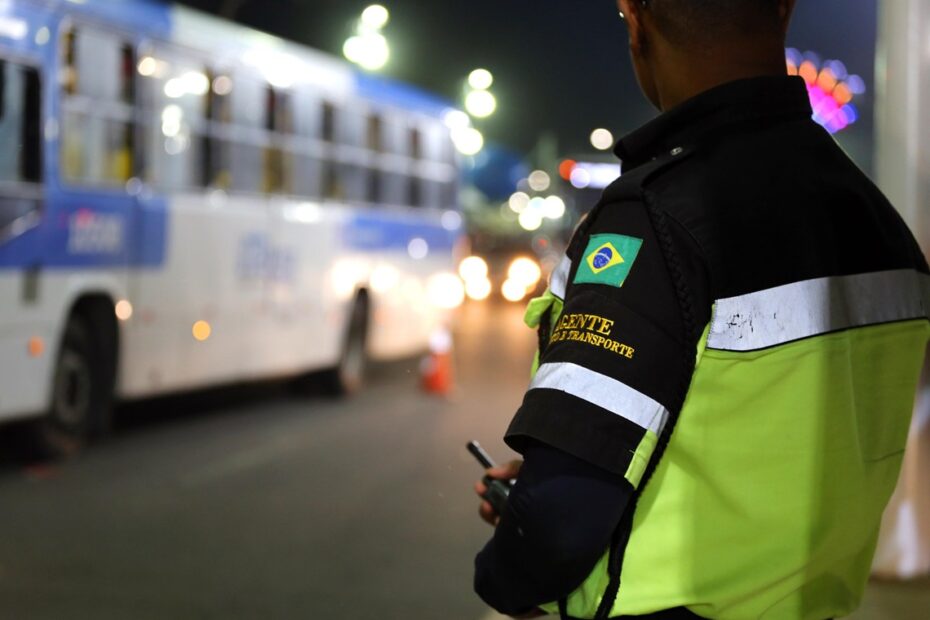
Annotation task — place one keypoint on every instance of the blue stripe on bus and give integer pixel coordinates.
(97, 234)
(380, 232)
(381, 90)
(150, 17)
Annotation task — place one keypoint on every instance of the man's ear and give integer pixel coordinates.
(785, 9)
(633, 11)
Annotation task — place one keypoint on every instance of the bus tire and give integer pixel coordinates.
(348, 376)
(82, 394)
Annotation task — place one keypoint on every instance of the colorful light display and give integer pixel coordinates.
(831, 88)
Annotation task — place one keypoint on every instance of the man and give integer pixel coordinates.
(729, 354)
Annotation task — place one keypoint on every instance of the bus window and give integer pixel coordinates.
(330, 178)
(306, 157)
(175, 104)
(374, 136)
(69, 63)
(373, 193)
(416, 144)
(450, 195)
(251, 139)
(98, 97)
(128, 74)
(328, 123)
(215, 161)
(278, 160)
(20, 110)
(20, 130)
(415, 150)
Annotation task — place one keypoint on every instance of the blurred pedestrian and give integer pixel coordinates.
(729, 354)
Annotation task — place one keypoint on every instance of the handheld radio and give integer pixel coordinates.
(498, 490)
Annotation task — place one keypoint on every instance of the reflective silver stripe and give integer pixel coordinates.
(558, 281)
(804, 309)
(597, 389)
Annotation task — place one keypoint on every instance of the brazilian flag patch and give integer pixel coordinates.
(608, 260)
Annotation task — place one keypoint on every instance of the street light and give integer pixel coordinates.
(480, 79)
(369, 51)
(467, 140)
(375, 17)
(368, 48)
(602, 139)
(480, 102)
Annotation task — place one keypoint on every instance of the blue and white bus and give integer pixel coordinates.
(185, 202)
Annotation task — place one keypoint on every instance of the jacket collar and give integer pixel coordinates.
(771, 98)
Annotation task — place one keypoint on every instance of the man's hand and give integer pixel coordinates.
(504, 472)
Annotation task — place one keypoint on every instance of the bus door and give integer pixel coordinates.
(22, 210)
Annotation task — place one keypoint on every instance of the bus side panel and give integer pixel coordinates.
(25, 362)
(198, 319)
(306, 314)
(404, 314)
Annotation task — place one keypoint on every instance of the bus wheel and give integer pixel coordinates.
(349, 375)
(80, 396)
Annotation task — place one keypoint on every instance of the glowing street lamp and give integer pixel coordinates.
(480, 102)
(480, 79)
(368, 47)
(369, 51)
(375, 17)
(602, 139)
(468, 140)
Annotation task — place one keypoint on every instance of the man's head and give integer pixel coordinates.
(679, 46)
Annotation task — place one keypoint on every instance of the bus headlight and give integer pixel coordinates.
(525, 271)
(473, 268)
(478, 289)
(445, 291)
(513, 291)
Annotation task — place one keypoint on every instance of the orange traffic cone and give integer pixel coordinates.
(436, 368)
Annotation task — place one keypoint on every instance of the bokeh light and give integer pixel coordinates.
(539, 181)
(123, 310)
(473, 268)
(580, 178)
(456, 119)
(418, 248)
(531, 220)
(480, 103)
(602, 139)
(513, 291)
(525, 271)
(201, 331)
(480, 79)
(830, 86)
(370, 50)
(479, 289)
(553, 207)
(519, 202)
(445, 291)
(376, 17)
(468, 140)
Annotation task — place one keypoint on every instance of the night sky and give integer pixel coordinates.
(561, 65)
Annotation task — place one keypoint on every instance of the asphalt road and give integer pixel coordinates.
(255, 503)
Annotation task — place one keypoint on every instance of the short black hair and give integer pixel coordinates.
(694, 21)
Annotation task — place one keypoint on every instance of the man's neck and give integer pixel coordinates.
(687, 74)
